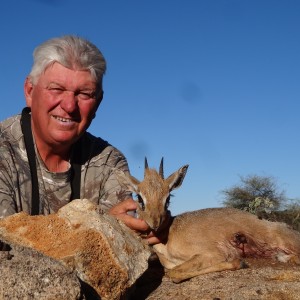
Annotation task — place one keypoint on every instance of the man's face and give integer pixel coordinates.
(63, 103)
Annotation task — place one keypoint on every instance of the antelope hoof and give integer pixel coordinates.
(175, 277)
(243, 265)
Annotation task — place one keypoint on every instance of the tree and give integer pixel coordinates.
(255, 194)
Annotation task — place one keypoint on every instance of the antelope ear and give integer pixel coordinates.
(175, 180)
(127, 181)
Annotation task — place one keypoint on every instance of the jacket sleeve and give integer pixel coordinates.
(8, 181)
(113, 192)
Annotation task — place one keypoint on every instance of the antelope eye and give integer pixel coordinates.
(167, 203)
(141, 202)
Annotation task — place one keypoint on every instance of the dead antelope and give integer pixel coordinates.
(206, 240)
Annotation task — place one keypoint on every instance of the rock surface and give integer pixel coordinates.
(263, 280)
(28, 274)
(103, 252)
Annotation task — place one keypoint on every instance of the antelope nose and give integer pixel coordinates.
(155, 228)
(156, 225)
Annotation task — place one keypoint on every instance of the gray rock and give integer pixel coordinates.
(102, 251)
(28, 274)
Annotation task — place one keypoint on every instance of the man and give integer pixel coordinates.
(47, 156)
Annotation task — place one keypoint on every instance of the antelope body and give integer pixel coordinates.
(206, 240)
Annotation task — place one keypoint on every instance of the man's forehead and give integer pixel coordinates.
(57, 73)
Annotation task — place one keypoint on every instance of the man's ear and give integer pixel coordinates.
(28, 88)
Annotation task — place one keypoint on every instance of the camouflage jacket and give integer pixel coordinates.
(98, 182)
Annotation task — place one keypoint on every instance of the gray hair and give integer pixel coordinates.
(70, 51)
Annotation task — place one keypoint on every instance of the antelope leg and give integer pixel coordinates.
(194, 267)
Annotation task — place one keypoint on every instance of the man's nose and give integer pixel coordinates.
(69, 101)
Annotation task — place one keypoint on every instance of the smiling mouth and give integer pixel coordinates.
(64, 120)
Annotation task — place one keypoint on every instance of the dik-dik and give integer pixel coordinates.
(206, 240)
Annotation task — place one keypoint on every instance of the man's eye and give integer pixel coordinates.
(86, 96)
(56, 90)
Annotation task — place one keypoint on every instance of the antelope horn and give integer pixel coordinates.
(146, 164)
(161, 168)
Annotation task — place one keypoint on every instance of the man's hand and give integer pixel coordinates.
(120, 211)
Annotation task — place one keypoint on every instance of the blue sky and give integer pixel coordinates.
(213, 84)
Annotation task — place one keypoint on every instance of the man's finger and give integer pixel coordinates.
(133, 223)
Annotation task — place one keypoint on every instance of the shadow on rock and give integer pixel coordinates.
(149, 281)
